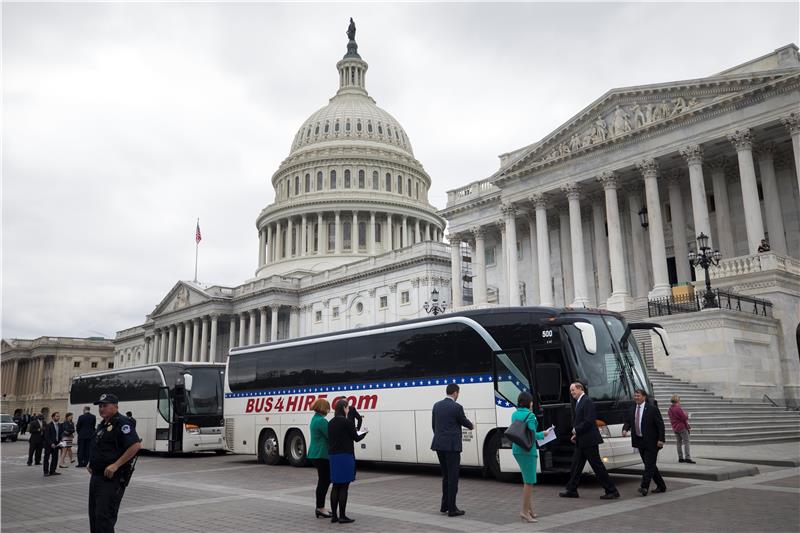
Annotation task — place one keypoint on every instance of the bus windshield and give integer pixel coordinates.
(607, 373)
(205, 397)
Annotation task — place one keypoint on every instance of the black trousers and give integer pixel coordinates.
(450, 463)
(50, 459)
(649, 458)
(579, 459)
(35, 448)
(323, 467)
(105, 495)
(83, 451)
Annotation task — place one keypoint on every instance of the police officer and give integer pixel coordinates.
(115, 445)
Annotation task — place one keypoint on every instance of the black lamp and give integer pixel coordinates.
(643, 217)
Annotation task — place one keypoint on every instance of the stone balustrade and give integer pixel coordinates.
(753, 264)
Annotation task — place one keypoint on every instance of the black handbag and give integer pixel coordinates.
(520, 434)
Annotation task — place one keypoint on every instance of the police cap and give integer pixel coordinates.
(107, 398)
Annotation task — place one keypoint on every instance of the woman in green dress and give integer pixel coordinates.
(527, 458)
(318, 453)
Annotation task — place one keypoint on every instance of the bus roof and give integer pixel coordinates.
(171, 366)
(474, 314)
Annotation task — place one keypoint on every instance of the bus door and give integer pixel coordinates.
(173, 433)
(511, 376)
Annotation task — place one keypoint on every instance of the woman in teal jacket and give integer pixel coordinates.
(318, 453)
(527, 458)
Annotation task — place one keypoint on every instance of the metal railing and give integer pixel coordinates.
(674, 305)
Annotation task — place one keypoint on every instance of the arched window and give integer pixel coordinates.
(308, 132)
(319, 180)
(333, 179)
(331, 236)
(308, 184)
(361, 184)
(316, 130)
(399, 184)
(347, 126)
(408, 183)
(369, 127)
(316, 237)
(296, 185)
(336, 127)
(377, 232)
(346, 235)
(376, 181)
(388, 182)
(347, 179)
(417, 190)
(380, 129)
(362, 234)
(358, 126)
(327, 127)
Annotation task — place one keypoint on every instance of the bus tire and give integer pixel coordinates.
(491, 458)
(296, 448)
(268, 451)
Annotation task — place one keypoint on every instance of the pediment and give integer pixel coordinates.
(182, 295)
(622, 114)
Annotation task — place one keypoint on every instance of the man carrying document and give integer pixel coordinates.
(527, 458)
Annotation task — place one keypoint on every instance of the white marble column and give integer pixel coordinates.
(601, 250)
(270, 242)
(455, 272)
(371, 234)
(251, 327)
(232, 333)
(792, 123)
(693, 154)
(642, 282)
(179, 330)
(337, 233)
(543, 250)
(479, 261)
(262, 334)
(278, 242)
(322, 236)
(680, 245)
(742, 140)
(405, 232)
(204, 340)
(580, 290)
(534, 297)
(242, 328)
(213, 344)
(658, 251)
(417, 234)
(162, 355)
(262, 248)
(303, 235)
(289, 237)
(389, 233)
(195, 339)
(171, 344)
(502, 263)
(510, 221)
(565, 244)
(722, 208)
(273, 331)
(772, 199)
(294, 321)
(187, 341)
(353, 235)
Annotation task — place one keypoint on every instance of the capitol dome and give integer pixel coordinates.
(350, 187)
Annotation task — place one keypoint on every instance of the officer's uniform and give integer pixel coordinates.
(111, 440)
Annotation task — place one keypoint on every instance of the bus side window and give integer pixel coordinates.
(549, 382)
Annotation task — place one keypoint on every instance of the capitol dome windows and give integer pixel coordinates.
(361, 184)
(358, 126)
(308, 184)
(333, 179)
(347, 126)
(362, 234)
(296, 185)
(376, 181)
(399, 184)
(336, 127)
(388, 182)
(380, 129)
(369, 126)
(409, 187)
(347, 179)
(316, 130)
(319, 180)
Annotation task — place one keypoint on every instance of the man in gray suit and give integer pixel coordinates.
(447, 419)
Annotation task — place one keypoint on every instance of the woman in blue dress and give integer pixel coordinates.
(527, 459)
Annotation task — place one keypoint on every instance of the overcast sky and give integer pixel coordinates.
(124, 123)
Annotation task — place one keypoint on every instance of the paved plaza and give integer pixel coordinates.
(208, 493)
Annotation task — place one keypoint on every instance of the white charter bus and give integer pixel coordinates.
(394, 373)
(177, 406)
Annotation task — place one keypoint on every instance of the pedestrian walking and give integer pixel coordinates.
(447, 419)
(115, 445)
(679, 421)
(341, 454)
(36, 439)
(318, 453)
(130, 416)
(52, 439)
(67, 436)
(85, 429)
(587, 440)
(647, 435)
(527, 459)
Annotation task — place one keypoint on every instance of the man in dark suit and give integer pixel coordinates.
(647, 435)
(85, 429)
(587, 438)
(36, 440)
(448, 417)
(52, 437)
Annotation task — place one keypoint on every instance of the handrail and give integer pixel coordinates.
(674, 305)
(770, 401)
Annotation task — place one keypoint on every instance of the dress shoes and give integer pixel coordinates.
(55, 473)
(568, 494)
(689, 461)
(320, 514)
(681, 460)
(457, 512)
(334, 519)
(610, 495)
(643, 491)
(443, 511)
(659, 490)
(346, 520)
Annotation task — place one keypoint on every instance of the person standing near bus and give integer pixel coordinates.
(587, 440)
(527, 459)
(318, 453)
(67, 437)
(447, 419)
(85, 429)
(341, 454)
(115, 445)
(52, 438)
(647, 435)
(36, 440)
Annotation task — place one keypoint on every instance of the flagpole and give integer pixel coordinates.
(196, 249)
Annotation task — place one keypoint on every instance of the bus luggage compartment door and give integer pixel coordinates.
(398, 436)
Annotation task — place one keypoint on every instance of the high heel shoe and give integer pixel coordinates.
(526, 518)
(320, 514)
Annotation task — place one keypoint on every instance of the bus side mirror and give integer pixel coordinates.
(655, 328)
(588, 336)
(187, 382)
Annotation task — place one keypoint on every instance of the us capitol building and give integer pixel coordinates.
(602, 212)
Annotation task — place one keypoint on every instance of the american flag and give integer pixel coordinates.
(197, 236)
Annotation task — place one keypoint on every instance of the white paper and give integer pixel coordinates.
(549, 438)
(362, 431)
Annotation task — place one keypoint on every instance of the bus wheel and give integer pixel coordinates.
(491, 458)
(296, 448)
(268, 448)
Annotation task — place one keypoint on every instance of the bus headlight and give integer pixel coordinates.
(192, 429)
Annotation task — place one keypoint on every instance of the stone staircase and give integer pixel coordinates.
(714, 419)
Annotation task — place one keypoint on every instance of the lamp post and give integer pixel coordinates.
(705, 258)
(643, 219)
(435, 307)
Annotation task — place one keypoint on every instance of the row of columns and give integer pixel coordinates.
(289, 237)
(612, 275)
(23, 377)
